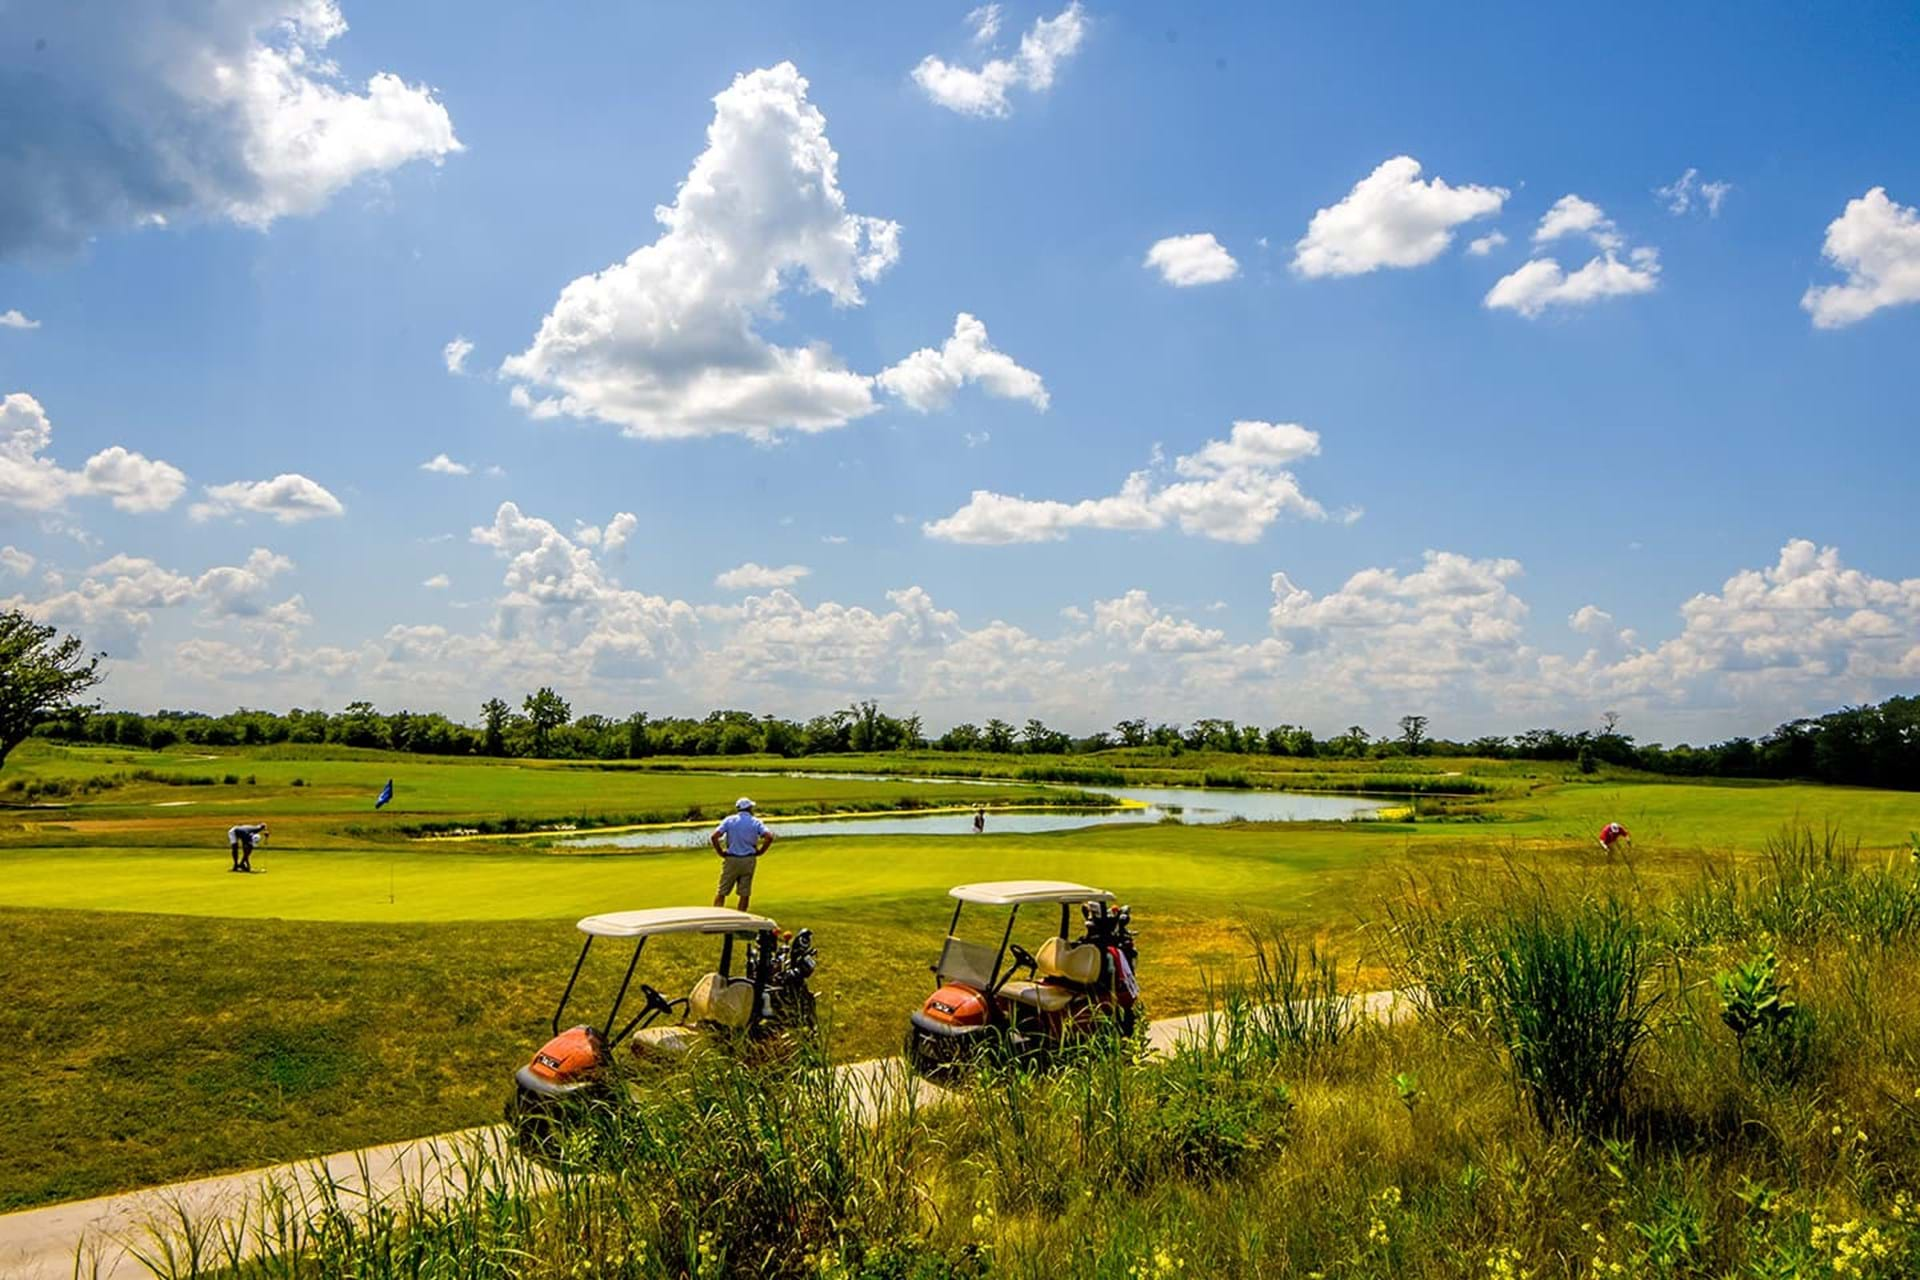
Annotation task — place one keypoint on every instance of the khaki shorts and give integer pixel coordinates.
(737, 873)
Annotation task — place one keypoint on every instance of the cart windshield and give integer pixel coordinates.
(967, 962)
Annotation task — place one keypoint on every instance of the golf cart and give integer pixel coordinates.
(1072, 986)
(767, 996)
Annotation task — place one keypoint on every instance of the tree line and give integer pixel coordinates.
(1873, 745)
(44, 676)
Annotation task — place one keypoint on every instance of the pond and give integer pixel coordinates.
(1150, 804)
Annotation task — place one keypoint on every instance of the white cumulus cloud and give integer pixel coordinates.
(1183, 261)
(928, 379)
(13, 318)
(289, 498)
(16, 561)
(1390, 219)
(455, 354)
(1487, 243)
(983, 90)
(438, 582)
(31, 481)
(441, 464)
(233, 111)
(1542, 283)
(663, 345)
(1876, 242)
(1572, 215)
(1230, 490)
(756, 577)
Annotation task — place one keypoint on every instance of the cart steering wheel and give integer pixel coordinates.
(656, 1005)
(1022, 959)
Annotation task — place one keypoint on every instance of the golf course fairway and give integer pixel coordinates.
(371, 986)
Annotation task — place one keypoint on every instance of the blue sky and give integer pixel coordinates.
(234, 258)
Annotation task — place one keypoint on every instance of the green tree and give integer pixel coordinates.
(41, 677)
(639, 742)
(1413, 733)
(494, 715)
(1131, 733)
(546, 711)
(998, 736)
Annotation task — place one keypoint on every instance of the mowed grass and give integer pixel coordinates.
(171, 1020)
(152, 1047)
(333, 804)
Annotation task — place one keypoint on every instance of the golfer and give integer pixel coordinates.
(979, 819)
(240, 842)
(740, 839)
(1612, 833)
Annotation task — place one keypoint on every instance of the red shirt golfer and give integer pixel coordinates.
(1611, 832)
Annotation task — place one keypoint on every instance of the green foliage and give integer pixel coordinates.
(41, 677)
(1569, 1002)
(1774, 1033)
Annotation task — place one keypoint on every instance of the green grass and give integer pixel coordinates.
(1408, 1151)
(171, 1020)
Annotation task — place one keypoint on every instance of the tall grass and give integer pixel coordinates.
(1570, 1001)
(1810, 884)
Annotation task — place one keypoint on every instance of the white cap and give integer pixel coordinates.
(743, 804)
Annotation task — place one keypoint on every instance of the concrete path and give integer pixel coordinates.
(113, 1235)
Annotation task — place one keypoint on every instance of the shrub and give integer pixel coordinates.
(231, 780)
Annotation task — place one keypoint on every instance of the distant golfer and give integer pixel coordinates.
(1612, 834)
(240, 842)
(740, 839)
(979, 819)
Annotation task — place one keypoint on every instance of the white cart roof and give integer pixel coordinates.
(653, 920)
(1008, 893)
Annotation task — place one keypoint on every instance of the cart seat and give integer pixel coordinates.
(1078, 963)
(714, 1000)
(1062, 971)
(1044, 996)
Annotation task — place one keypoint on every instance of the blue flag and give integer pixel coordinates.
(386, 794)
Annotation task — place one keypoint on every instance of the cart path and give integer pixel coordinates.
(111, 1235)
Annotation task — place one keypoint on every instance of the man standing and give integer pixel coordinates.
(240, 842)
(740, 839)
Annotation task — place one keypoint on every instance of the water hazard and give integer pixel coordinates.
(1149, 804)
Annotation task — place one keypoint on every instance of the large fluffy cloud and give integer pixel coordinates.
(1541, 283)
(1877, 243)
(664, 344)
(1805, 630)
(983, 90)
(1390, 219)
(1230, 490)
(168, 112)
(1185, 261)
(31, 481)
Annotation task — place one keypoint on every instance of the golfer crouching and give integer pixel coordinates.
(240, 842)
(740, 839)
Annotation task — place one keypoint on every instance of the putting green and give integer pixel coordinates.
(802, 878)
